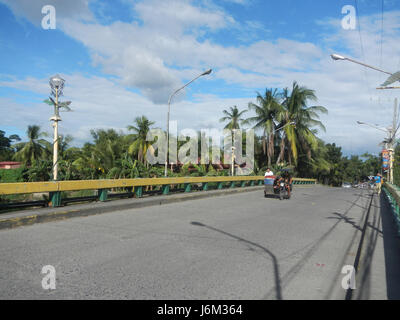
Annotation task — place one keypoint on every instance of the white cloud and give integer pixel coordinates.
(102, 103)
(168, 45)
(32, 9)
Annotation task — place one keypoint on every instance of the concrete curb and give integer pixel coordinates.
(30, 217)
(365, 252)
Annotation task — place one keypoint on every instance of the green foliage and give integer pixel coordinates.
(233, 116)
(12, 175)
(41, 170)
(6, 149)
(115, 155)
(34, 149)
(396, 170)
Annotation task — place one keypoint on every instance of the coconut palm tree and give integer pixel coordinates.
(6, 150)
(302, 136)
(266, 109)
(33, 149)
(99, 158)
(140, 146)
(234, 118)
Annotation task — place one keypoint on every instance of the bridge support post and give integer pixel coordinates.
(260, 183)
(243, 184)
(55, 198)
(252, 183)
(233, 184)
(165, 189)
(220, 185)
(139, 192)
(102, 194)
(188, 187)
(205, 186)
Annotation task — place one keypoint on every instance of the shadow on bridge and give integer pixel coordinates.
(391, 245)
(278, 290)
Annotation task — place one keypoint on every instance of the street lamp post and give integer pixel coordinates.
(339, 57)
(57, 85)
(390, 131)
(169, 108)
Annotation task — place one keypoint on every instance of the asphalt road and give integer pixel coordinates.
(239, 246)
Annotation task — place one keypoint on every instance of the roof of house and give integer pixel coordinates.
(9, 162)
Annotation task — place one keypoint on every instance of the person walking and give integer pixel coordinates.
(378, 183)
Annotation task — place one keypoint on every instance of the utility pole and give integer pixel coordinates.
(56, 118)
(392, 140)
(233, 161)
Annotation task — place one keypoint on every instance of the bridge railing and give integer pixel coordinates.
(393, 194)
(133, 186)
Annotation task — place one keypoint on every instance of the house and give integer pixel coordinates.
(10, 165)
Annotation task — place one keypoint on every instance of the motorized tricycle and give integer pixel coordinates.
(276, 187)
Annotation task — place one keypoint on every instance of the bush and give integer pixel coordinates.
(12, 175)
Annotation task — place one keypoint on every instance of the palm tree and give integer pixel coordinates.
(234, 118)
(266, 110)
(32, 150)
(94, 160)
(108, 148)
(140, 145)
(302, 136)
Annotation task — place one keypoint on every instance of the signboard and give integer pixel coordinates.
(385, 154)
(385, 158)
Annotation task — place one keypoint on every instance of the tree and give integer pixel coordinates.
(34, 149)
(6, 150)
(233, 116)
(334, 157)
(266, 110)
(140, 146)
(300, 137)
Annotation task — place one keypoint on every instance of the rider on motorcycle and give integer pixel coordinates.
(288, 182)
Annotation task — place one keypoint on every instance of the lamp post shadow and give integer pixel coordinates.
(278, 290)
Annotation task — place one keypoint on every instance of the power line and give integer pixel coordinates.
(362, 46)
(383, 4)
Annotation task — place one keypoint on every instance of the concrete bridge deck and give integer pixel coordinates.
(235, 246)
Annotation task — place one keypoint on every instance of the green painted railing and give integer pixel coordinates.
(392, 193)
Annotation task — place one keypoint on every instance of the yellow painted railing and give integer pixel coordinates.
(134, 186)
(74, 185)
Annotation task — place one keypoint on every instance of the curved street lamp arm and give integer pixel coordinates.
(372, 126)
(368, 66)
(183, 87)
(169, 107)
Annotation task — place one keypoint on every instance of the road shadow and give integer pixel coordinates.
(378, 207)
(344, 218)
(278, 290)
(271, 196)
(363, 262)
(391, 245)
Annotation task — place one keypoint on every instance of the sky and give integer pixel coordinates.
(123, 58)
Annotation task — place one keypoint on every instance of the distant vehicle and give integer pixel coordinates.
(346, 185)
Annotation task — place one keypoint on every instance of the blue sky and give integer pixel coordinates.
(122, 59)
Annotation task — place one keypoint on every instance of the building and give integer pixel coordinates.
(10, 165)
